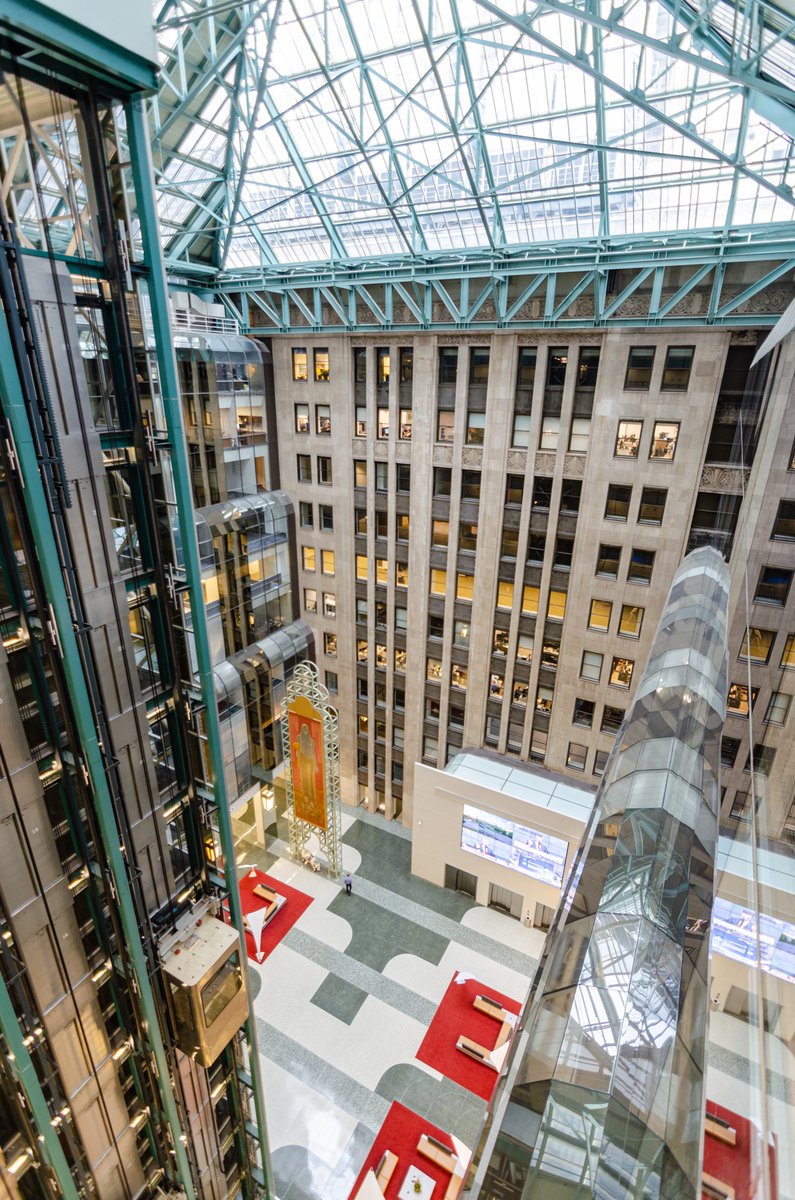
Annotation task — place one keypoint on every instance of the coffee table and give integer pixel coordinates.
(407, 1191)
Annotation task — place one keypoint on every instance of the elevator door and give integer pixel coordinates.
(506, 901)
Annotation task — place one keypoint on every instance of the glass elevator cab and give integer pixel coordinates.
(204, 974)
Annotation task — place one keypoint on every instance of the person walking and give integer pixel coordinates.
(348, 881)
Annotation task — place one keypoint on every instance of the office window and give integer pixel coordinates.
(514, 489)
(784, 524)
(575, 758)
(470, 485)
(467, 536)
(773, 586)
(587, 367)
(381, 523)
(433, 668)
(360, 364)
(500, 641)
(455, 715)
(440, 533)
(737, 699)
(326, 515)
(381, 366)
(402, 527)
(663, 441)
(538, 745)
(579, 435)
(591, 665)
(360, 472)
(542, 494)
(382, 477)
(332, 682)
(496, 687)
(762, 760)
(321, 361)
(509, 547)
(479, 365)
(380, 614)
(524, 648)
(382, 422)
(652, 505)
(329, 604)
(302, 418)
(400, 659)
(521, 431)
(310, 600)
(504, 594)
(330, 644)
(600, 762)
(380, 654)
(530, 596)
(448, 364)
(430, 748)
(438, 582)
(583, 712)
(305, 515)
(461, 633)
(361, 610)
(406, 364)
(323, 419)
(476, 428)
(361, 566)
(628, 439)
(323, 469)
(641, 565)
(550, 432)
(361, 420)
(570, 496)
(556, 609)
(617, 506)
(401, 575)
(402, 477)
(304, 468)
(361, 650)
(678, 365)
(405, 424)
(556, 366)
(362, 724)
(520, 693)
(308, 558)
(536, 547)
(639, 367)
(526, 370)
(611, 719)
(300, 366)
(607, 561)
(544, 699)
(778, 708)
(788, 657)
(381, 571)
(631, 621)
(398, 737)
(465, 586)
(458, 676)
(550, 653)
(445, 425)
(327, 562)
(599, 616)
(442, 481)
(621, 672)
(564, 550)
(432, 709)
(757, 647)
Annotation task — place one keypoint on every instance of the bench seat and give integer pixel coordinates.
(386, 1169)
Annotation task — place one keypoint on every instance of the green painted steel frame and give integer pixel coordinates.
(21, 1066)
(49, 562)
(167, 364)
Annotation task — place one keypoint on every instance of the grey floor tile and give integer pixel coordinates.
(340, 998)
(380, 933)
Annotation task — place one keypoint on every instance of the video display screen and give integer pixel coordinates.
(516, 846)
(734, 933)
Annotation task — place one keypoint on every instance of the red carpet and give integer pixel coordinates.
(400, 1133)
(454, 1016)
(286, 917)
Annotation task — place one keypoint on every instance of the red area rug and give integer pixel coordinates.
(286, 917)
(455, 1016)
(400, 1133)
(739, 1165)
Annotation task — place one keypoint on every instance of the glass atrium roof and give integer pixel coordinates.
(296, 132)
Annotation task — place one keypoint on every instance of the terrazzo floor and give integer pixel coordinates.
(344, 1001)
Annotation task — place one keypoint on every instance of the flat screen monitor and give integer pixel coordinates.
(735, 934)
(512, 845)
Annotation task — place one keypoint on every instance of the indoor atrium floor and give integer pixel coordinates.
(345, 999)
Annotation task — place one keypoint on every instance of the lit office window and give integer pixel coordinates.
(361, 421)
(310, 600)
(321, 361)
(663, 441)
(327, 562)
(308, 558)
(628, 439)
(465, 587)
(330, 644)
(556, 609)
(302, 418)
(757, 645)
(438, 582)
(621, 672)
(530, 597)
(300, 365)
(440, 533)
(599, 616)
(323, 419)
(401, 575)
(631, 620)
(504, 594)
(361, 566)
